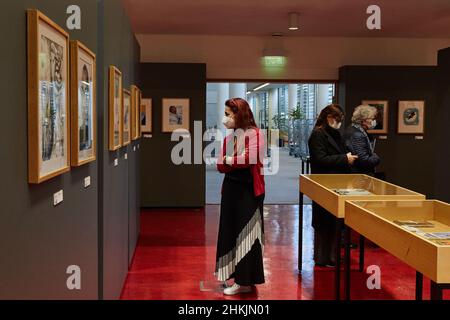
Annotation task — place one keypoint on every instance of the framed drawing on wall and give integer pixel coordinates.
(382, 119)
(139, 114)
(146, 118)
(126, 123)
(175, 114)
(135, 112)
(411, 117)
(48, 98)
(83, 104)
(115, 108)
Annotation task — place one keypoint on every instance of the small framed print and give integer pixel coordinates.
(48, 99)
(411, 117)
(135, 112)
(175, 114)
(126, 119)
(83, 104)
(115, 108)
(146, 117)
(382, 117)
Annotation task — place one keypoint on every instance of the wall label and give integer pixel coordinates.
(74, 280)
(74, 19)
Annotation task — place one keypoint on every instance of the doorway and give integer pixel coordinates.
(288, 108)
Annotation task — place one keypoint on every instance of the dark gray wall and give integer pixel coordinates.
(407, 162)
(38, 241)
(164, 184)
(95, 228)
(442, 152)
(119, 197)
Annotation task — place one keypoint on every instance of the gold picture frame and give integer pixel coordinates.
(115, 108)
(48, 98)
(175, 114)
(411, 117)
(147, 116)
(382, 107)
(126, 118)
(135, 114)
(83, 86)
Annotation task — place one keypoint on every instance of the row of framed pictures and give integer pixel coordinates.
(61, 108)
(411, 117)
(125, 111)
(62, 102)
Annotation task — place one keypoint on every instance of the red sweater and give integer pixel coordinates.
(254, 144)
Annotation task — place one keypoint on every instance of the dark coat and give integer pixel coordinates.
(358, 143)
(328, 156)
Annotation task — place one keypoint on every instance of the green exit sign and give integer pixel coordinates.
(274, 61)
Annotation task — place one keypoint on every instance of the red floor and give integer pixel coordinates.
(175, 259)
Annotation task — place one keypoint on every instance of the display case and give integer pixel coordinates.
(332, 190)
(416, 232)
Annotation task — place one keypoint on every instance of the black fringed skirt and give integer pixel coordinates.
(240, 243)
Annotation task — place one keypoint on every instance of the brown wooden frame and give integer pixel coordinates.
(163, 129)
(113, 71)
(75, 48)
(149, 119)
(34, 18)
(385, 116)
(127, 142)
(423, 118)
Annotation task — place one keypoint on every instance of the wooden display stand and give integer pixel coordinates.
(383, 222)
(331, 191)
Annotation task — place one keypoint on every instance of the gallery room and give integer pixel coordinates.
(215, 150)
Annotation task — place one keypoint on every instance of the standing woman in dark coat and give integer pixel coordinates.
(328, 156)
(240, 244)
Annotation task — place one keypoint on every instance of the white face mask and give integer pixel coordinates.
(374, 123)
(228, 122)
(335, 125)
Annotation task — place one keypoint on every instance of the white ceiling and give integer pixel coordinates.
(343, 18)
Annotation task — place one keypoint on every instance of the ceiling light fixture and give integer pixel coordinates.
(293, 21)
(261, 86)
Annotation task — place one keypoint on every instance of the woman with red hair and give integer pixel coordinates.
(240, 242)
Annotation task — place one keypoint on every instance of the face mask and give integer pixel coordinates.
(228, 122)
(335, 125)
(374, 123)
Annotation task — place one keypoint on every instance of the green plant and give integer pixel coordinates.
(296, 114)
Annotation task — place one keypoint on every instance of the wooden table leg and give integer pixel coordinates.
(347, 261)
(419, 286)
(361, 253)
(337, 270)
(300, 234)
(435, 291)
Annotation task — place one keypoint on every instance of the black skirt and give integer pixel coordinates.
(240, 242)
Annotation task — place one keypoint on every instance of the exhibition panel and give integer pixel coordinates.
(415, 231)
(331, 191)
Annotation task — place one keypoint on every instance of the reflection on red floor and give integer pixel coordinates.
(176, 254)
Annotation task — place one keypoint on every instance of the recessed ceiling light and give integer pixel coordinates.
(261, 86)
(293, 21)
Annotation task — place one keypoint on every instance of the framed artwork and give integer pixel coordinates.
(83, 104)
(115, 108)
(126, 123)
(146, 117)
(411, 117)
(175, 114)
(135, 112)
(382, 116)
(139, 109)
(48, 98)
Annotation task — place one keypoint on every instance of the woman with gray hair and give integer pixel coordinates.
(359, 142)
